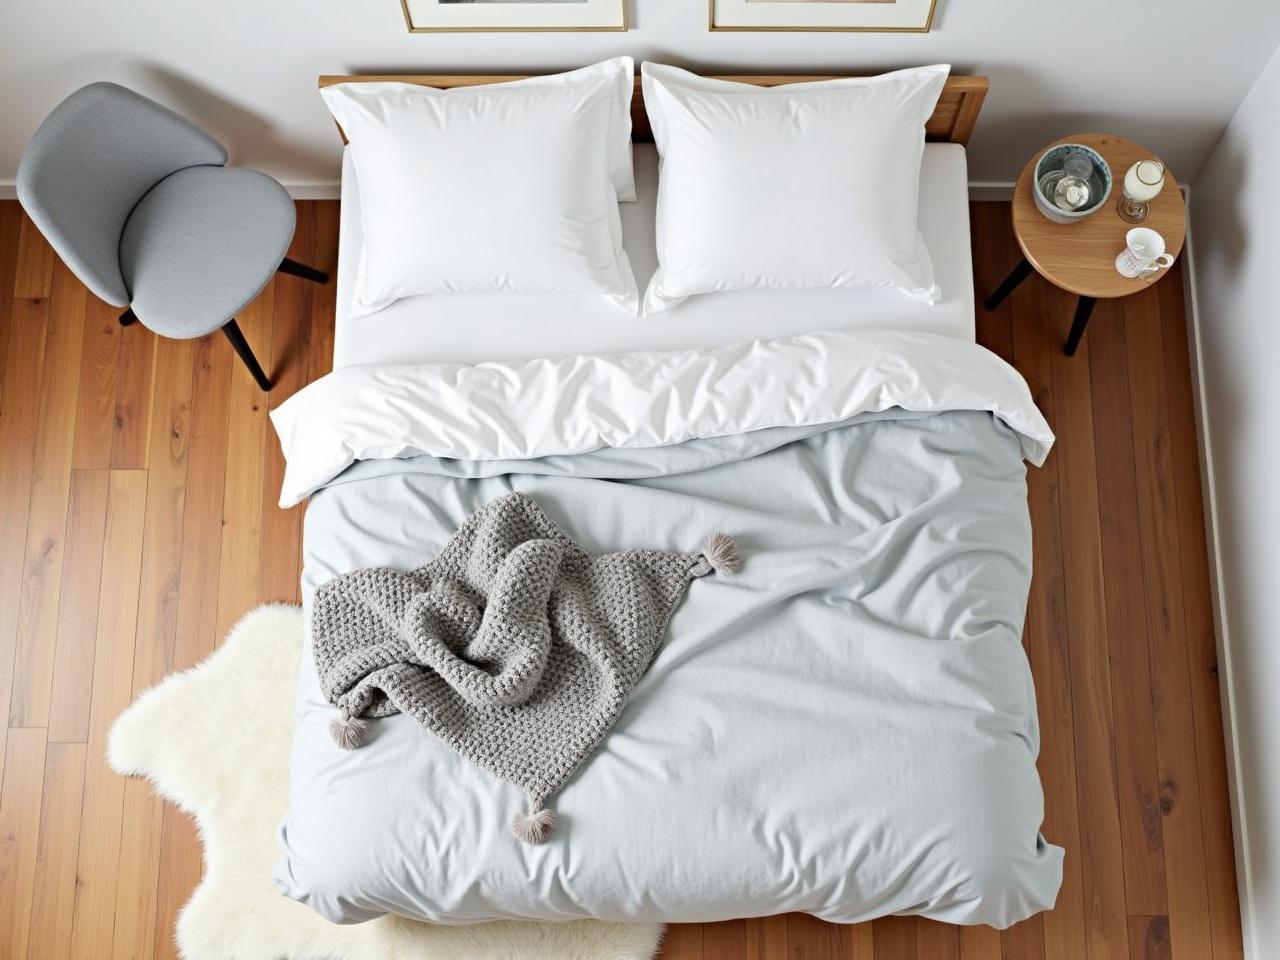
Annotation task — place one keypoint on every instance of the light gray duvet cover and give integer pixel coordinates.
(847, 727)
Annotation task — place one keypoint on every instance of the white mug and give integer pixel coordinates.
(1143, 254)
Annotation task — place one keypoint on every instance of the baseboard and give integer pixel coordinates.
(299, 191)
(1226, 670)
(314, 191)
(990, 190)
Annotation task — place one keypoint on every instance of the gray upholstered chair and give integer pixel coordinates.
(141, 206)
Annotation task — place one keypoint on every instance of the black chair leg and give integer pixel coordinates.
(128, 318)
(232, 330)
(296, 269)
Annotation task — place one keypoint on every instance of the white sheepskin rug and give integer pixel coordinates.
(215, 741)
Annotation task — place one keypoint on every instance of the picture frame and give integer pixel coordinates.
(514, 16)
(851, 16)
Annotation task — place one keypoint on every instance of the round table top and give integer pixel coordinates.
(1080, 257)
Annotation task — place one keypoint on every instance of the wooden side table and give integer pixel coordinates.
(1080, 257)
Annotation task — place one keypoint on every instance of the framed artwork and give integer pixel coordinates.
(496, 16)
(883, 16)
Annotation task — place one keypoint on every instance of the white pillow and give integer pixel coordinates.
(803, 185)
(509, 187)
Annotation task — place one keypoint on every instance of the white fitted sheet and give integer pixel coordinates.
(471, 328)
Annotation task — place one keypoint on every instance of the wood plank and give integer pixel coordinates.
(47, 511)
(10, 230)
(766, 938)
(280, 556)
(33, 276)
(1187, 895)
(195, 634)
(243, 488)
(19, 418)
(102, 813)
(166, 499)
(135, 371)
(980, 943)
(1047, 638)
(895, 938)
(1024, 941)
(683, 941)
(202, 518)
(77, 624)
(1100, 843)
(937, 941)
(724, 941)
(178, 873)
(1202, 651)
(324, 299)
(138, 872)
(1149, 939)
(814, 939)
(99, 358)
(20, 797)
(860, 941)
(1137, 771)
(998, 254)
(153, 651)
(56, 852)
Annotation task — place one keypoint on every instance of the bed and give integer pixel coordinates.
(847, 727)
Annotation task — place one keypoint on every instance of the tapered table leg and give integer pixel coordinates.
(1084, 310)
(1011, 282)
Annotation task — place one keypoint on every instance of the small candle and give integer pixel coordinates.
(1144, 181)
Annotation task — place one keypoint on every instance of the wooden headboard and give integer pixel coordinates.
(952, 121)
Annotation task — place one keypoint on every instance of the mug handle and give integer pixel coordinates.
(1159, 263)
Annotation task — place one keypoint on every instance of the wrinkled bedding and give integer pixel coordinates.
(847, 727)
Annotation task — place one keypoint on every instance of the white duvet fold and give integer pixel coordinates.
(575, 405)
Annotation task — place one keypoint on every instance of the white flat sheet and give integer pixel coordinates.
(531, 409)
(471, 328)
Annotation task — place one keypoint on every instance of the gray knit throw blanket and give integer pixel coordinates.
(514, 646)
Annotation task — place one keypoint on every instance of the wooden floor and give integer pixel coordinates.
(137, 522)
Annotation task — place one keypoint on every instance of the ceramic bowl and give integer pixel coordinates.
(1099, 182)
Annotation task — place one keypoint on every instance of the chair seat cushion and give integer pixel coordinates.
(202, 244)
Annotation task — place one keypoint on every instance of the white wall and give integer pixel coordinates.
(1168, 73)
(1235, 213)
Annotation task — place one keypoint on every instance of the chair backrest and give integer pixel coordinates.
(99, 153)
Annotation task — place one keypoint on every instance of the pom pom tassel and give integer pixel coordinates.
(721, 553)
(535, 826)
(349, 732)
